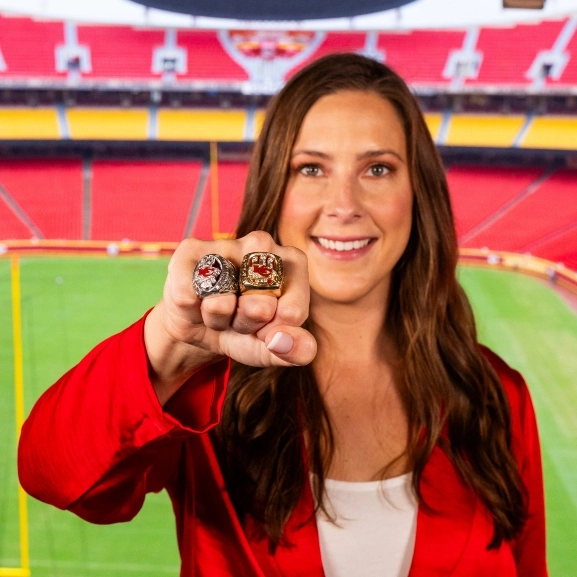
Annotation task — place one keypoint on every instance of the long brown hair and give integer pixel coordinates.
(452, 395)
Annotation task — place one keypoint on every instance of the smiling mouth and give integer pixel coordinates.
(343, 245)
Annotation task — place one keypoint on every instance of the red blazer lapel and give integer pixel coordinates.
(212, 540)
(443, 532)
(300, 556)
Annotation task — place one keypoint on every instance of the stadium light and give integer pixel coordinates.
(531, 4)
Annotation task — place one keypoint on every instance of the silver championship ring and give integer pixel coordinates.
(214, 275)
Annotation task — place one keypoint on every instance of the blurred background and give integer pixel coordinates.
(126, 127)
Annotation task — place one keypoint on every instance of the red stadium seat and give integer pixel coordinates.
(478, 192)
(207, 59)
(420, 56)
(49, 192)
(120, 51)
(11, 226)
(569, 75)
(142, 200)
(28, 47)
(202, 226)
(231, 181)
(335, 42)
(509, 52)
(549, 208)
(559, 246)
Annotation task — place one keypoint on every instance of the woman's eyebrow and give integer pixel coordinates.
(310, 153)
(373, 153)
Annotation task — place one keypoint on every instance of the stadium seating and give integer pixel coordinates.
(102, 123)
(509, 52)
(207, 59)
(120, 51)
(516, 209)
(203, 224)
(420, 56)
(142, 200)
(28, 47)
(479, 193)
(258, 122)
(569, 74)
(552, 132)
(29, 124)
(107, 123)
(11, 226)
(335, 42)
(434, 121)
(483, 130)
(125, 53)
(559, 246)
(57, 211)
(221, 125)
(548, 208)
(231, 179)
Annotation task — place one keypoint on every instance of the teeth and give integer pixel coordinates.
(343, 246)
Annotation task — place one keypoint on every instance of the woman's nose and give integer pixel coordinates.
(344, 199)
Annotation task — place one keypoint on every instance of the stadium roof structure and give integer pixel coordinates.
(267, 10)
(392, 15)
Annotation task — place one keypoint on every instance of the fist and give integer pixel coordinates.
(255, 328)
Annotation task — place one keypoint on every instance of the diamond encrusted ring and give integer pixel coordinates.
(262, 273)
(213, 275)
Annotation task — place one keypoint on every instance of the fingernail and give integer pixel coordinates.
(281, 343)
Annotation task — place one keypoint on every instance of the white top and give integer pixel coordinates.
(375, 528)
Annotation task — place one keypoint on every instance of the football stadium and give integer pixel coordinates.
(118, 140)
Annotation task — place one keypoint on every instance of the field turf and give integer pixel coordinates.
(69, 305)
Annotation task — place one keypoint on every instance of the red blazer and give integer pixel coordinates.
(97, 441)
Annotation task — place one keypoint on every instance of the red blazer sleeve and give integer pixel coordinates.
(98, 439)
(529, 548)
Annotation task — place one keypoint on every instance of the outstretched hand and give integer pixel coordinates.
(184, 332)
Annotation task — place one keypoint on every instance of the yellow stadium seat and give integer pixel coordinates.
(108, 123)
(209, 125)
(434, 121)
(483, 130)
(258, 122)
(552, 132)
(29, 124)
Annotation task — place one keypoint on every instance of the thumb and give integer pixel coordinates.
(290, 345)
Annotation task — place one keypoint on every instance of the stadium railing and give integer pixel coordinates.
(555, 273)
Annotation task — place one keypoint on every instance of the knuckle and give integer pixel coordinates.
(292, 315)
(216, 323)
(183, 299)
(217, 306)
(259, 309)
(187, 246)
(260, 239)
(296, 253)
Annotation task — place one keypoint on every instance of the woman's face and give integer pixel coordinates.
(348, 200)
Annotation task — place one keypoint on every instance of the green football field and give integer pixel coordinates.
(70, 304)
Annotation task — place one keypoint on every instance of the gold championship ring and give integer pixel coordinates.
(262, 273)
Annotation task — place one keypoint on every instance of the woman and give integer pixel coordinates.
(399, 447)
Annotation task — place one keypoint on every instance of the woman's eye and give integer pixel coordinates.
(378, 170)
(310, 170)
